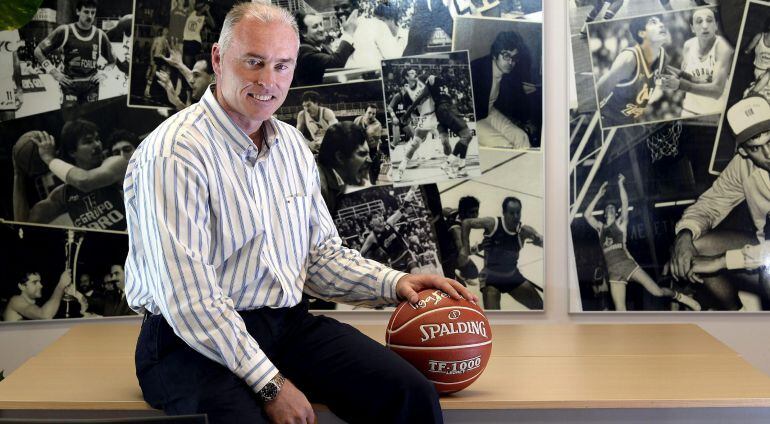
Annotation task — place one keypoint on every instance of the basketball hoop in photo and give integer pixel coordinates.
(664, 142)
(448, 340)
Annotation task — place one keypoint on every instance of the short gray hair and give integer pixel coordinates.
(262, 11)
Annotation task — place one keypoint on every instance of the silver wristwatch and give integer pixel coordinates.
(272, 388)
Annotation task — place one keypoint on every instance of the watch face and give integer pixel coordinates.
(270, 391)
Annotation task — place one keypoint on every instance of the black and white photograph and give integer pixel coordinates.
(584, 12)
(67, 169)
(57, 273)
(171, 59)
(343, 126)
(660, 67)
(509, 112)
(431, 118)
(72, 52)
(750, 76)
(521, 10)
(492, 231)
(652, 229)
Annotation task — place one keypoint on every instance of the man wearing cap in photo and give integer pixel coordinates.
(725, 260)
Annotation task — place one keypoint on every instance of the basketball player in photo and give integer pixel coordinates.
(621, 267)
(373, 127)
(706, 61)
(613, 7)
(81, 44)
(504, 237)
(760, 46)
(92, 194)
(449, 118)
(11, 94)
(625, 90)
(159, 49)
(466, 273)
(415, 92)
(385, 236)
(314, 119)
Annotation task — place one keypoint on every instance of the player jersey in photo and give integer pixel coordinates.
(316, 128)
(9, 42)
(391, 242)
(701, 71)
(100, 209)
(81, 53)
(612, 237)
(628, 100)
(439, 91)
(193, 27)
(762, 54)
(176, 23)
(502, 247)
(424, 108)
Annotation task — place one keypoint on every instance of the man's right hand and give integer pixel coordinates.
(61, 78)
(290, 406)
(65, 279)
(681, 257)
(351, 23)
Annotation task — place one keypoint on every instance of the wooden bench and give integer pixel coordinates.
(532, 367)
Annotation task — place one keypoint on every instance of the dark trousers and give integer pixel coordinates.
(330, 362)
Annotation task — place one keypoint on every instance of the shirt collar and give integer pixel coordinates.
(232, 133)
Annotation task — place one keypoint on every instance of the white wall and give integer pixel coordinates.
(748, 334)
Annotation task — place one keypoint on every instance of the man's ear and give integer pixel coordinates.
(741, 151)
(216, 59)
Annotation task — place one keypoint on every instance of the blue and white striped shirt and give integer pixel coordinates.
(215, 226)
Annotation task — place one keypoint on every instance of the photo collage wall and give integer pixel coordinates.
(666, 206)
(447, 97)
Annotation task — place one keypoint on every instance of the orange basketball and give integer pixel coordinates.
(447, 340)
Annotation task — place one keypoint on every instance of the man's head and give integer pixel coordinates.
(468, 207)
(505, 49)
(117, 276)
(254, 62)
(410, 75)
(80, 144)
(30, 285)
(311, 28)
(310, 101)
(750, 121)
(610, 213)
(370, 115)
(86, 12)
(511, 210)
(650, 29)
(201, 6)
(377, 222)
(123, 143)
(85, 283)
(202, 76)
(345, 150)
(704, 23)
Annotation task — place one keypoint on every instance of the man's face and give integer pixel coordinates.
(757, 150)
(33, 287)
(378, 223)
(85, 282)
(122, 148)
(86, 16)
(704, 23)
(370, 114)
(656, 31)
(411, 76)
(310, 107)
(88, 153)
(512, 213)
(200, 80)
(255, 72)
(355, 169)
(610, 213)
(473, 212)
(315, 29)
(506, 60)
(116, 274)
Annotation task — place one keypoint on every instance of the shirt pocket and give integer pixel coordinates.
(295, 219)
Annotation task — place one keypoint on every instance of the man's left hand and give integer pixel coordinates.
(410, 284)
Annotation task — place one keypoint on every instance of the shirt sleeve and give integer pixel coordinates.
(749, 257)
(167, 206)
(337, 273)
(716, 202)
